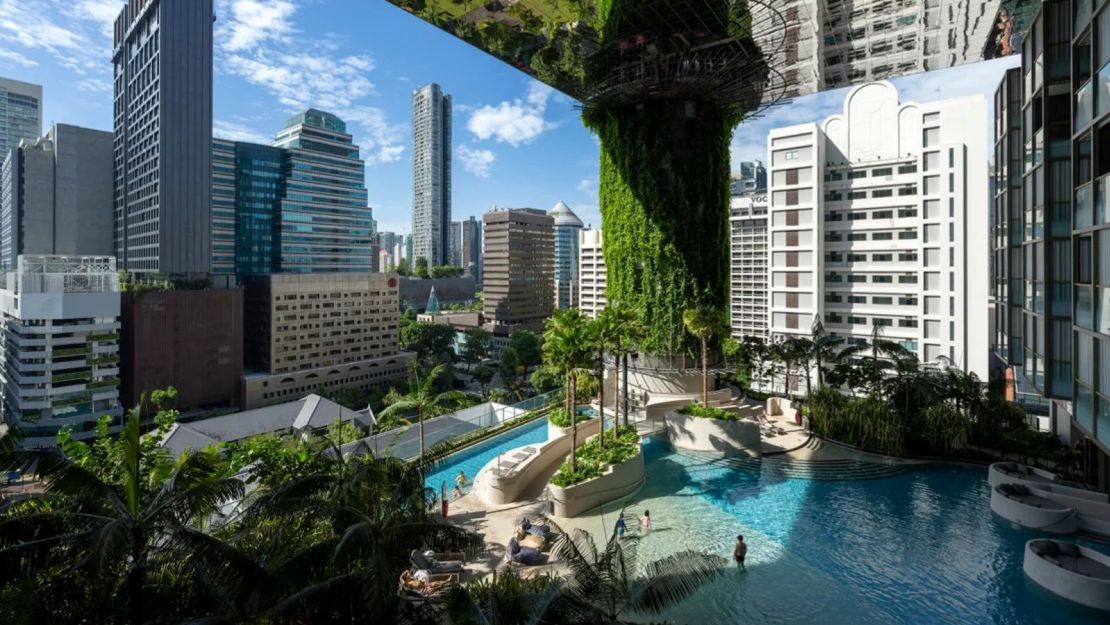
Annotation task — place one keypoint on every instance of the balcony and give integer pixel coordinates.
(1083, 106)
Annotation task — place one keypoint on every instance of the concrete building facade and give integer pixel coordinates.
(431, 175)
(874, 215)
(320, 331)
(60, 366)
(519, 274)
(591, 273)
(748, 265)
(162, 63)
(56, 196)
(20, 113)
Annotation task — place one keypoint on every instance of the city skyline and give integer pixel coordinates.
(517, 142)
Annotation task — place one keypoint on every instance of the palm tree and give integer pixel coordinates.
(628, 332)
(606, 587)
(603, 335)
(704, 322)
(425, 401)
(117, 533)
(825, 346)
(331, 543)
(566, 347)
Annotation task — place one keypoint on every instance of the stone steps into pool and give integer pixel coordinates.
(838, 469)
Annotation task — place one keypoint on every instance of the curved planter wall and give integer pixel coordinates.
(698, 434)
(585, 429)
(618, 481)
(498, 489)
(1040, 514)
(1089, 590)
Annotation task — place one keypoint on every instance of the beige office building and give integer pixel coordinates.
(310, 332)
(519, 272)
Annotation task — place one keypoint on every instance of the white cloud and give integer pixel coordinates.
(476, 161)
(72, 33)
(95, 85)
(516, 123)
(383, 141)
(249, 23)
(102, 12)
(588, 186)
(17, 58)
(236, 131)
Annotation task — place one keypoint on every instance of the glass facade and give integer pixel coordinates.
(567, 227)
(20, 113)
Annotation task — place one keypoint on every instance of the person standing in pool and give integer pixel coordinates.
(645, 522)
(620, 528)
(739, 552)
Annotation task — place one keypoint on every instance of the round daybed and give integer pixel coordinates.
(1029, 508)
(1015, 473)
(1073, 572)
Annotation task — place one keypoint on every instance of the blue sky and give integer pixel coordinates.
(517, 143)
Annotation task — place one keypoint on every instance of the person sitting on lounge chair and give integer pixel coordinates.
(424, 583)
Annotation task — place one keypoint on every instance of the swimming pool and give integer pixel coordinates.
(917, 548)
(472, 459)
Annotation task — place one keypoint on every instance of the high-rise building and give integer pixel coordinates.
(748, 264)
(323, 223)
(591, 273)
(567, 227)
(874, 225)
(298, 206)
(344, 333)
(20, 113)
(456, 244)
(431, 175)
(60, 368)
(751, 178)
(163, 136)
(519, 269)
(470, 256)
(56, 196)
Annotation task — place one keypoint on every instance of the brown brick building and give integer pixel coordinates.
(189, 339)
(519, 273)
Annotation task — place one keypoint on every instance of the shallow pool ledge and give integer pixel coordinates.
(616, 482)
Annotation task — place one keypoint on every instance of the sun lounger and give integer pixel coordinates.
(420, 561)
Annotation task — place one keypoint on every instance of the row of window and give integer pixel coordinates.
(876, 235)
(862, 215)
(859, 278)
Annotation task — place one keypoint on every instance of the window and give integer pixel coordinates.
(882, 322)
(882, 258)
(857, 216)
(857, 195)
(909, 279)
(857, 320)
(834, 196)
(931, 137)
(907, 212)
(834, 175)
(857, 236)
(907, 235)
(907, 323)
(882, 214)
(882, 193)
(857, 278)
(858, 299)
(907, 257)
(882, 279)
(882, 171)
(857, 258)
(882, 236)
(790, 155)
(908, 190)
(857, 173)
(833, 216)
(907, 301)
(878, 299)
(907, 169)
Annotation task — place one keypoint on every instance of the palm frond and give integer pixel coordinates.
(673, 579)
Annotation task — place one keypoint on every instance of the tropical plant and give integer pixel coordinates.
(566, 348)
(114, 531)
(423, 401)
(628, 332)
(526, 345)
(605, 586)
(710, 412)
(483, 375)
(704, 322)
(603, 335)
(478, 346)
(509, 366)
(503, 599)
(593, 458)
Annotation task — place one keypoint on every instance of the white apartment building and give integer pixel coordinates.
(879, 223)
(60, 317)
(748, 265)
(591, 273)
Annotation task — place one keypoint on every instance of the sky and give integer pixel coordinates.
(516, 142)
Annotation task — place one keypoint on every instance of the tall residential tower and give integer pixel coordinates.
(567, 227)
(431, 175)
(163, 136)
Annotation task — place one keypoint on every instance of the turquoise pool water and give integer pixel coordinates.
(472, 459)
(917, 548)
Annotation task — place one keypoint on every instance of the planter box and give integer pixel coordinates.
(617, 482)
(718, 435)
(497, 489)
(590, 427)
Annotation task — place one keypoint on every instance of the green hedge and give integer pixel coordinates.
(561, 419)
(702, 412)
(620, 445)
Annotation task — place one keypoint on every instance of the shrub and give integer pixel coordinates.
(709, 412)
(621, 445)
(560, 418)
